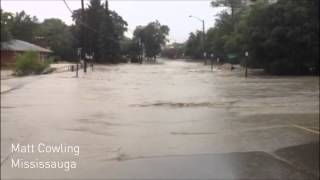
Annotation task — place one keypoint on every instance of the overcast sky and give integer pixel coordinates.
(139, 12)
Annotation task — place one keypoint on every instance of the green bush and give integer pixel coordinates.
(28, 63)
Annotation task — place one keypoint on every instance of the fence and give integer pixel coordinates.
(66, 68)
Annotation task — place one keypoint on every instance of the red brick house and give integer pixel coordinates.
(10, 50)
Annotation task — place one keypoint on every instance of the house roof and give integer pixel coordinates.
(18, 45)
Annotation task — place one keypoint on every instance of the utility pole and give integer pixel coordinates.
(203, 41)
(82, 38)
(92, 59)
(203, 37)
(77, 66)
(211, 59)
(246, 64)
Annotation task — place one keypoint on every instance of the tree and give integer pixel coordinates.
(55, 34)
(93, 18)
(220, 39)
(112, 28)
(152, 36)
(232, 4)
(52, 33)
(130, 47)
(6, 19)
(193, 45)
(23, 26)
(283, 37)
(104, 30)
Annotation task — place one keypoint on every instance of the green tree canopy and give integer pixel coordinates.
(55, 34)
(281, 37)
(233, 5)
(193, 45)
(103, 31)
(23, 26)
(6, 20)
(284, 37)
(152, 36)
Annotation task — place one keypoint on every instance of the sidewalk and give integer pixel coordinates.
(6, 74)
(9, 84)
(5, 88)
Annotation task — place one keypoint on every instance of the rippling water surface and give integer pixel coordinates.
(131, 111)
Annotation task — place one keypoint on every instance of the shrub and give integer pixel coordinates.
(28, 63)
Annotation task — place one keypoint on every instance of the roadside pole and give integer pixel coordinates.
(203, 40)
(84, 65)
(92, 67)
(77, 68)
(82, 38)
(77, 65)
(246, 64)
(203, 37)
(211, 59)
(92, 61)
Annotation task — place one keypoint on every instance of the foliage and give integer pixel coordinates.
(5, 31)
(52, 33)
(152, 37)
(55, 34)
(232, 4)
(130, 47)
(282, 37)
(103, 31)
(193, 45)
(28, 63)
(22, 26)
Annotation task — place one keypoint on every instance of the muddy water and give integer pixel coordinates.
(129, 112)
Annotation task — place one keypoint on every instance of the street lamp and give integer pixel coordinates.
(203, 31)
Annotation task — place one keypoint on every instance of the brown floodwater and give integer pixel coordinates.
(129, 112)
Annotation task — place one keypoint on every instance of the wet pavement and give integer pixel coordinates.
(173, 120)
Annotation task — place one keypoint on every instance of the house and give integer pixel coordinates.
(12, 48)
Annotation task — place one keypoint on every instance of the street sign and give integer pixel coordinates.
(232, 56)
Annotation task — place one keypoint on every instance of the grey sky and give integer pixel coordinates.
(172, 13)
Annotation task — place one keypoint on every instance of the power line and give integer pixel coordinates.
(65, 2)
(86, 25)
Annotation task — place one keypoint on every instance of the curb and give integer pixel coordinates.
(5, 88)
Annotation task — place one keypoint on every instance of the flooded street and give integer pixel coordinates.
(175, 119)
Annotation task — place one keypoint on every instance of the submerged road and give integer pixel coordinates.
(173, 120)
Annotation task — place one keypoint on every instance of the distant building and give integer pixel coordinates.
(12, 48)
